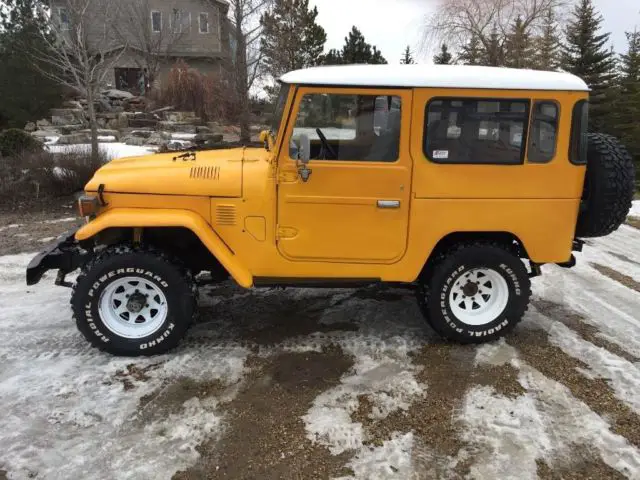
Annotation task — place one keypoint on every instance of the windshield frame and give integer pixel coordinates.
(279, 108)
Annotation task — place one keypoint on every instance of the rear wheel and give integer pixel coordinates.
(133, 302)
(475, 293)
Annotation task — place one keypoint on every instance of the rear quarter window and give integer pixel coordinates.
(476, 130)
(544, 131)
(579, 139)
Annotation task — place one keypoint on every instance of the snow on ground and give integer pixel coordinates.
(111, 150)
(72, 412)
(635, 209)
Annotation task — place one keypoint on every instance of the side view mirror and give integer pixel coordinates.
(304, 155)
(304, 150)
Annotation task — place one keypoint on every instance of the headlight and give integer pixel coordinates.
(88, 205)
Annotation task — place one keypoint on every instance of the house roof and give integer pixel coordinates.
(436, 76)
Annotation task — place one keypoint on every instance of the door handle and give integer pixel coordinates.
(388, 203)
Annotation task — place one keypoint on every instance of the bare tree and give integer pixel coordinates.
(244, 17)
(154, 38)
(80, 51)
(459, 21)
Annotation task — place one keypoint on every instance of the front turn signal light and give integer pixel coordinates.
(88, 205)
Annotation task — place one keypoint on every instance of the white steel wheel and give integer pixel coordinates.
(133, 307)
(479, 296)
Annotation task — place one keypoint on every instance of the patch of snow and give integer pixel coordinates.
(47, 239)
(61, 220)
(111, 150)
(392, 460)
(183, 136)
(622, 375)
(107, 138)
(13, 225)
(547, 422)
(66, 413)
(635, 208)
(51, 140)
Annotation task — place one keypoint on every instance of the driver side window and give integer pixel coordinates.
(349, 127)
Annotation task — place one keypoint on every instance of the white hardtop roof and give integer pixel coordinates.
(436, 76)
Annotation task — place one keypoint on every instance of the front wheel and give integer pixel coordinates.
(476, 293)
(133, 302)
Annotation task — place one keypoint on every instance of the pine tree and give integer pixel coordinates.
(26, 93)
(585, 55)
(356, 50)
(627, 108)
(518, 48)
(494, 50)
(471, 52)
(407, 57)
(547, 56)
(291, 38)
(444, 57)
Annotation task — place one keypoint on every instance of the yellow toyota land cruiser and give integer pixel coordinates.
(457, 181)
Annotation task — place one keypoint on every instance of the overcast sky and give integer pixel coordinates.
(391, 25)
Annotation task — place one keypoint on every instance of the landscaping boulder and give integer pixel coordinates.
(74, 139)
(67, 116)
(203, 129)
(208, 138)
(43, 124)
(177, 127)
(158, 139)
(135, 141)
(30, 127)
(114, 94)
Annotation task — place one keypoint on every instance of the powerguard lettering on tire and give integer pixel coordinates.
(476, 269)
(132, 301)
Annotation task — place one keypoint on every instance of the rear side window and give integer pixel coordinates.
(579, 124)
(476, 131)
(544, 132)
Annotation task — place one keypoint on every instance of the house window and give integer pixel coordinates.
(156, 21)
(483, 131)
(544, 132)
(204, 23)
(180, 21)
(63, 16)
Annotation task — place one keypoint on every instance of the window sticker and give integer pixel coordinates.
(440, 154)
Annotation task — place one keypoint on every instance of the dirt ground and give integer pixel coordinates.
(282, 384)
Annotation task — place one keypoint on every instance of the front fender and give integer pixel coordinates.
(139, 217)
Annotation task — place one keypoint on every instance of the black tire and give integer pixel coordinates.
(116, 263)
(435, 297)
(608, 188)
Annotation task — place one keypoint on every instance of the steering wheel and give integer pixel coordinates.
(325, 144)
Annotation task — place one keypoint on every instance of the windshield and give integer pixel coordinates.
(279, 110)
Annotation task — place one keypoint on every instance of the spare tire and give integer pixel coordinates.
(608, 187)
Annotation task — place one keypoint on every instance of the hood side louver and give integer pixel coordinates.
(226, 215)
(205, 173)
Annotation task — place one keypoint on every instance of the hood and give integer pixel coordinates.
(214, 173)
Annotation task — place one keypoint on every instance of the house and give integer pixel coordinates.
(156, 34)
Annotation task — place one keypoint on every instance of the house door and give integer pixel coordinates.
(355, 205)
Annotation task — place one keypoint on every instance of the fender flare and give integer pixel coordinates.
(142, 217)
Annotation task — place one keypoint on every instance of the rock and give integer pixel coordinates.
(211, 138)
(30, 127)
(143, 123)
(69, 129)
(114, 94)
(42, 134)
(179, 117)
(72, 104)
(122, 121)
(141, 133)
(102, 122)
(67, 116)
(135, 141)
(74, 139)
(42, 124)
(177, 127)
(112, 124)
(157, 140)
(203, 129)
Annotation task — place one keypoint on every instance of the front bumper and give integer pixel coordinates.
(64, 255)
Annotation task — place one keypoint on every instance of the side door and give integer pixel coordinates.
(355, 205)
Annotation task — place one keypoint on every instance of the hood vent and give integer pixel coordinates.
(226, 215)
(205, 173)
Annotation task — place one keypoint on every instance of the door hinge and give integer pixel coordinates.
(288, 176)
(286, 232)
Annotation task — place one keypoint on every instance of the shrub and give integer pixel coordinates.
(14, 142)
(43, 174)
(186, 89)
